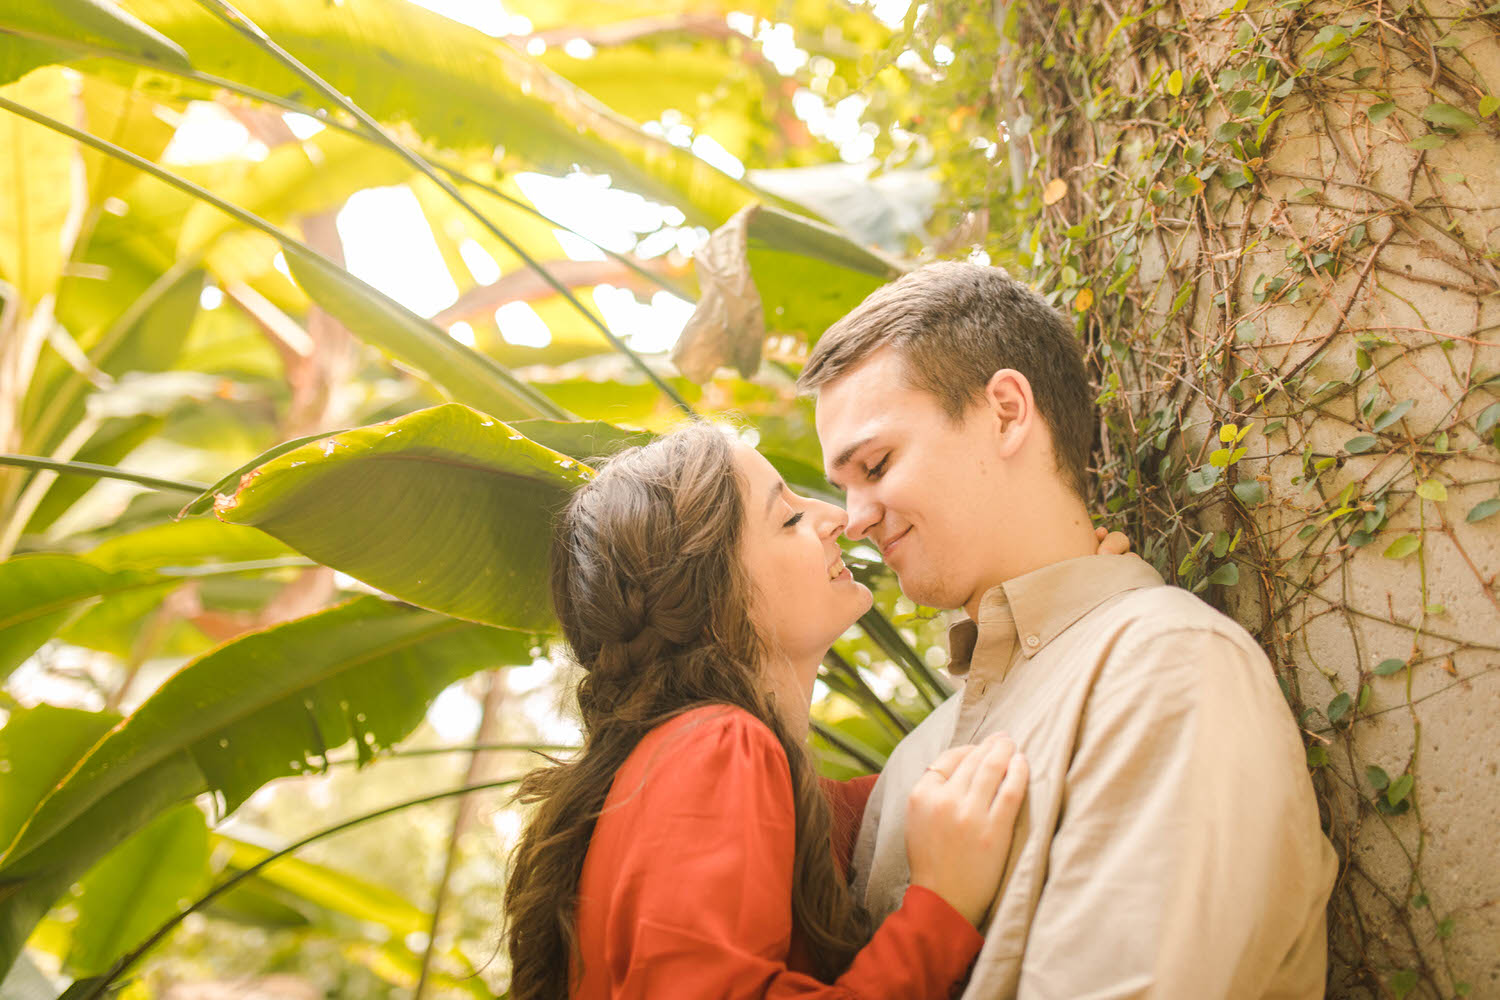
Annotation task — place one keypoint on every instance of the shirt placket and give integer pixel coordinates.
(995, 650)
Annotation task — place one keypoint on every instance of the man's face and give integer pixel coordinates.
(921, 487)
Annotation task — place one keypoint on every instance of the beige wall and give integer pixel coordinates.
(1426, 281)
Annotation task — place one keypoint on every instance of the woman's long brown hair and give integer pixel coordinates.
(653, 598)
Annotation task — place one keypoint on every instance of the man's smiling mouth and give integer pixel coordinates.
(885, 549)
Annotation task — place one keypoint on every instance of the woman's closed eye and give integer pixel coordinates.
(791, 522)
(878, 469)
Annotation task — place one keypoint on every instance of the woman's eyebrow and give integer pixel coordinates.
(777, 488)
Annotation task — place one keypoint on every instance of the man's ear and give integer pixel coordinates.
(1008, 398)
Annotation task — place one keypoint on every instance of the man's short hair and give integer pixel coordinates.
(954, 325)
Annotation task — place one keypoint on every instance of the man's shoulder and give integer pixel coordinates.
(1150, 615)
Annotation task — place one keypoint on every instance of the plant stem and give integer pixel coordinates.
(861, 754)
(102, 471)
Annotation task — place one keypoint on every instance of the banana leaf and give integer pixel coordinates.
(446, 508)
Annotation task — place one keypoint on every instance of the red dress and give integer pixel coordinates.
(686, 889)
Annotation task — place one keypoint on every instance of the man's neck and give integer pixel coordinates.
(1038, 542)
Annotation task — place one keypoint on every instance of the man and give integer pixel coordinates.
(1170, 846)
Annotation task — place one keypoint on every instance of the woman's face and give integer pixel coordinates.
(804, 596)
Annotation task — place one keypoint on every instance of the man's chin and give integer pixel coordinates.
(925, 591)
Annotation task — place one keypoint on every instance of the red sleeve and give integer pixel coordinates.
(700, 889)
(846, 800)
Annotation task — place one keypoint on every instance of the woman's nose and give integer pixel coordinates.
(832, 518)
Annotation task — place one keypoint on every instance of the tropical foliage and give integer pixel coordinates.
(265, 513)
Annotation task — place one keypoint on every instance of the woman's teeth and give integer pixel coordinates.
(836, 570)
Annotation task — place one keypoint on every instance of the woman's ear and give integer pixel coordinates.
(1012, 410)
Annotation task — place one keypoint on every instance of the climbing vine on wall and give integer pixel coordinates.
(1275, 226)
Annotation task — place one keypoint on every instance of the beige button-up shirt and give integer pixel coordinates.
(1169, 846)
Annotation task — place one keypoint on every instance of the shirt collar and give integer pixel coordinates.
(1033, 609)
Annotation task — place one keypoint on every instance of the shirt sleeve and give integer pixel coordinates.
(1186, 848)
(701, 901)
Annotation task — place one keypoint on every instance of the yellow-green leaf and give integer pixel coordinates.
(1432, 490)
(40, 199)
(1403, 546)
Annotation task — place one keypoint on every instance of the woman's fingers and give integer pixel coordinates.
(1006, 804)
(990, 770)
(1113, 543)
(968, 767)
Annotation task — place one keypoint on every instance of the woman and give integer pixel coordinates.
(687, 851)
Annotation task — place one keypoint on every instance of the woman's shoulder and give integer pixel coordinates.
(701, 752)
(715, 729)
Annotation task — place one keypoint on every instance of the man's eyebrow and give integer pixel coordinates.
(848, 453)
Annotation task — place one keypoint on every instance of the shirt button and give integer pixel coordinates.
(1033, 641)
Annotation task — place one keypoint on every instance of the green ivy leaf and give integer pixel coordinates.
(1202, 479)
(1432, 490)
(1428, 141)
(1387, 667)
(1339, 707)
(1361, 444)
(1377, 778)
(1483, 509)
(1488, 417)
(1188, 185)
(1403, 546)
(1392, 415)
(1379, 112)
(1403, 982)
(1317, 756)
(1174, 83)
(1253, 493)
(1400, 789)
(1488, 105)
(1226, 575)
(1447, 116)
(1228, 132)
(1445, 927)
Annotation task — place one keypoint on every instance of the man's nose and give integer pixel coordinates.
(863, 514)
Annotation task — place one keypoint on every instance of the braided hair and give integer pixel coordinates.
(654, 601)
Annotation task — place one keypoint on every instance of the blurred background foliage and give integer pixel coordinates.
(338, 245)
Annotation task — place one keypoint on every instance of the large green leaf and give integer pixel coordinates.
(266, 704)
(39, 594)
(109, 446)
(126, 116)
(462, 373)
(139, 885)
(42, 745)
(148, 338)
(96, 23)
(585, 440)
(445, 507)
(329, 888)
(457, 87)
(38, 200)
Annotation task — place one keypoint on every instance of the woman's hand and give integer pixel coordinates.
(1111, 543)
(959, 821)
